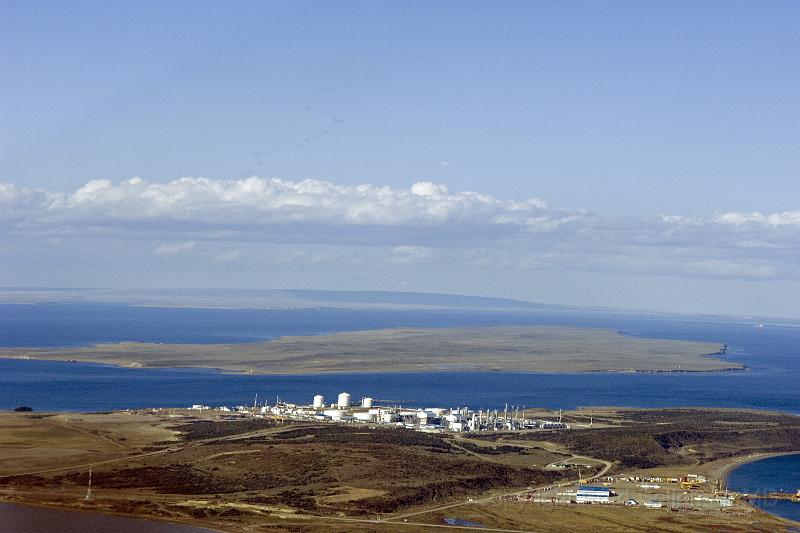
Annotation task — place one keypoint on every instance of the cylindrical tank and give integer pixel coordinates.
(344, 400)
(366, 417)
(366, 402)
(319, 401)
(333, 413)
(388, 418)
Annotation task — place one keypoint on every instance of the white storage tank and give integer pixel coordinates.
(366, 402)
(366, 417)
(388, 418)
(334, 414)
(343, 400)
(319, 401)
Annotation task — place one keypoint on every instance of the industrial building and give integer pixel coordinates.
(589, 494)
(371, 411)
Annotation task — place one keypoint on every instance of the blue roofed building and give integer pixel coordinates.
(589, 494)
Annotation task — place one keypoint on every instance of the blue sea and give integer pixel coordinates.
(771, 353)
(774, 474)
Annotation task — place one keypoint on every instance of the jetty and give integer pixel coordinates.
(779, 495)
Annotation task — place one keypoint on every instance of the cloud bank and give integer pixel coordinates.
(421, 224)
(259, 202)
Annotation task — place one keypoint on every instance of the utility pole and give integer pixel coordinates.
(89, 488)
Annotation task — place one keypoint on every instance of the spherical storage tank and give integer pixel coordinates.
(366, 402)
(319, 401)
(344, 400)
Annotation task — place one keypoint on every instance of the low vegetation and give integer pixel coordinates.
(233, 473)
(669, 437)
(207, 429)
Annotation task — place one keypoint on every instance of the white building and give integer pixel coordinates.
(587, 494)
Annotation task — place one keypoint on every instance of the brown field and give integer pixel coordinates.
(518, 348)
(271, 475)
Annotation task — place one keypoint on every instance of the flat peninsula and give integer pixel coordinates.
(504, 348)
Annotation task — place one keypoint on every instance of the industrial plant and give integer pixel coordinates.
(371, 411)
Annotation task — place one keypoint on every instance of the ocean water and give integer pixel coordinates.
(771, 353)
(26, 519)
(774, 474)
(51, 325)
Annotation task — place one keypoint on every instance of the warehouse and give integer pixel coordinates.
(588, 494)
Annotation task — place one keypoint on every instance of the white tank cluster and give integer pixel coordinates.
(429, 419)
(334, 414)
(343, 400)
(319, 401)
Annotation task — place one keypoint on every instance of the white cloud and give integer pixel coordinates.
(176, 248)
(259, 202)
(720, 268)
(787, 218)
(318, 222)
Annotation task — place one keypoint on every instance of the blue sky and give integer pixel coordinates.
(659, 142)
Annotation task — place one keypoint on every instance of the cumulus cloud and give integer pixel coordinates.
(260, 201)
(425, 222)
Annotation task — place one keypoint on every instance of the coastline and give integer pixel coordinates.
(551, 349)
(134, 365)
(726, 470)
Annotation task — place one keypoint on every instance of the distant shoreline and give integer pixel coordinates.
(548, 349)
(135, 366)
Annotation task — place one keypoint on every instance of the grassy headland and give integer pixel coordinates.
(504, 348)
